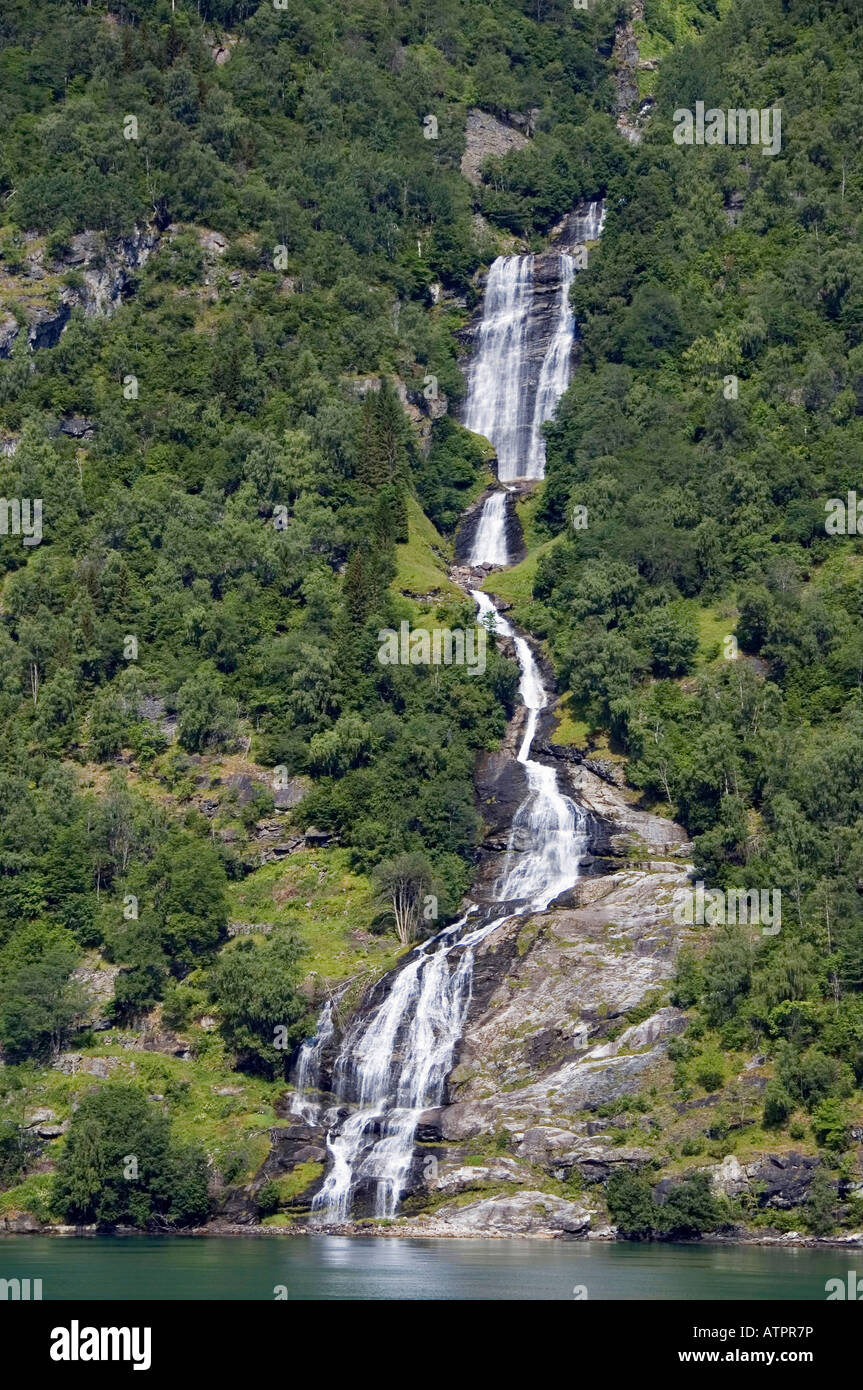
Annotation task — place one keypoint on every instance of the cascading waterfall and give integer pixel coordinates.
(554, 376)
(497, 402)
(308, 1067)
(393, 1063)
(512, 390)
(489, 543)
(393, 1066)
(587, 225)
(547, 835)
(506, 400)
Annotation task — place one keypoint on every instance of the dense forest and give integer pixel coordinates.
(235, 501)
(223, 492)
(718, 409)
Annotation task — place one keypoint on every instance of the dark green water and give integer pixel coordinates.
(334, 1267)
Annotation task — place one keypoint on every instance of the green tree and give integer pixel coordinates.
(262, 1010)
(121, 1166)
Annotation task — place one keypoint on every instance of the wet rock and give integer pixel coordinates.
(559, 1151)
(782, 1181)
(289, 796)
(104, 278)
(317, 839)
(20, 1223)
(663, 1024)
(298, 1142)
(729, 1179)
(569, 974)
(77, 427)
(99, 986)
(46, 325)
(779, 1181)
(9, 330)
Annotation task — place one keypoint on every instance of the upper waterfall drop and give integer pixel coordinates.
(520, 370)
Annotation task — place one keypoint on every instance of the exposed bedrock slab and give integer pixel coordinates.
(550, 1031)
(519, 1214)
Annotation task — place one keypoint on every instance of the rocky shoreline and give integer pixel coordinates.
(408, 1228)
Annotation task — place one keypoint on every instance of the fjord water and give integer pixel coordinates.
(338, 1267)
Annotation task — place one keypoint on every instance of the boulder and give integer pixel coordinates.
(521, 1214)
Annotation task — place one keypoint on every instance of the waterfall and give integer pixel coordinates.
(547, 836)
(489, 542)
(393, 1065)
(497, 402)
(554, 376)
(394, 1060)
(587, 225)
(518, 373)
(308, 1067)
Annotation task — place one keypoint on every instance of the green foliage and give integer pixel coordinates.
(829, 1124)
(688, 1209)
(120, 1165)
(268, 1198)
(631, 1205)
(820, 1205)
(18, 1149)
(716, 410)
(262, 1012)
(39, 1001)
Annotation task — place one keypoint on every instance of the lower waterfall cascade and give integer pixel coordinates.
(489, 542)
(393, 1065)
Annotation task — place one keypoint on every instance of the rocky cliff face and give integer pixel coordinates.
(485, 136)
(550, 1034)
(98, 277)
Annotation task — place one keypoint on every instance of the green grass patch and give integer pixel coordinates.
(569, 729)
(422, 562)
(515, 585)
(328, 905)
